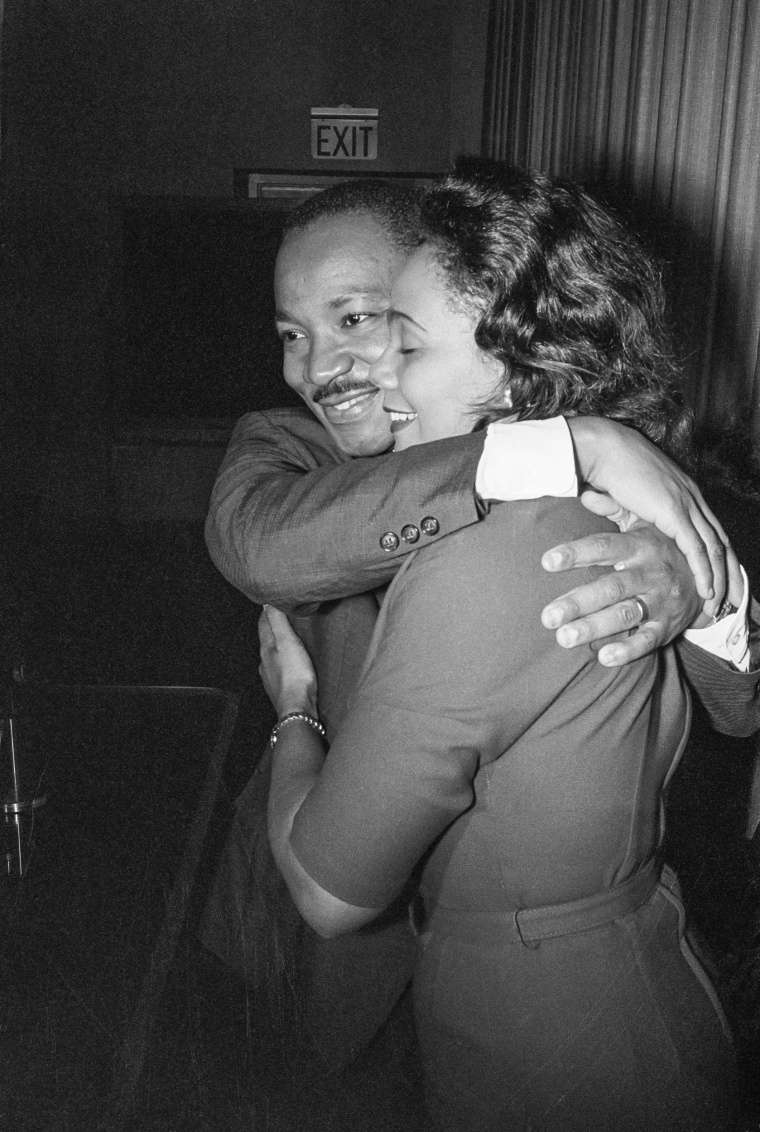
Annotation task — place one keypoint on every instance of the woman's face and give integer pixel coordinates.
(432, 372)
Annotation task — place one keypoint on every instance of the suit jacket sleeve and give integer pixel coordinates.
(730, 698)
(294, 522)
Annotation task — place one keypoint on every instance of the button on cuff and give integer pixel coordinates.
(389, 542)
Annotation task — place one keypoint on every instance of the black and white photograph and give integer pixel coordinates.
(379, 566)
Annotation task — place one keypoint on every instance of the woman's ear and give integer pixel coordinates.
(498, 402)
(503, 372)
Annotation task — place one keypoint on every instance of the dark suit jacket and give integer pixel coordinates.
(297, 524)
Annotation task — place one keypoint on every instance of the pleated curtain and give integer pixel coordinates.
(658, 103)
(2, 8)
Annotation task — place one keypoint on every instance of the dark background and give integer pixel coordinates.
(104, 105)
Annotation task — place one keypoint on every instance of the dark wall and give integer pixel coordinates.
(103, 101)
(384, 54)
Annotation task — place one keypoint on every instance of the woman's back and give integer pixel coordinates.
(536, 771)
(574, 757)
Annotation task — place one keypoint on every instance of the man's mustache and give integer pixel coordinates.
(341, 387)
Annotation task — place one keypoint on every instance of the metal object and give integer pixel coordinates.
(21, 782)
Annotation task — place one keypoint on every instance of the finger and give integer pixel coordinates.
(735, 578)
(596, 646)
(598, 502)
(624, 616)
(717, 552)
(638, 644)
(734, 588)
(279, 625)
(592, 550)
(266, 636)
(710, 582)
(593, 597)
(693, 546)
(709, 609)
(600, 549)
(601, 504)
(709, 516)
(703, 544)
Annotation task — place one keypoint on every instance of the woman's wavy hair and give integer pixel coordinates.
(566, 298)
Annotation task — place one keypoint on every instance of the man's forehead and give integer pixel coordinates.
(353, 247)
(344, 227)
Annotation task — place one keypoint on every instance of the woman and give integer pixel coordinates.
(519, 783)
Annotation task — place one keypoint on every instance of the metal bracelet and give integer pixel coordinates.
(726, 609)
(303, 716)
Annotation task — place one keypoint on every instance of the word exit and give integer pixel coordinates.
(343, 133)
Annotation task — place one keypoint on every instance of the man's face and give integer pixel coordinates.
(332, 289)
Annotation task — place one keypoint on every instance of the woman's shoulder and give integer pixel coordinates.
(493, 568)
(461, 622)
(516, 532)
(567, 518)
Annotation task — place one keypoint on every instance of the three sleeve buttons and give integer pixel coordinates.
(410, 534)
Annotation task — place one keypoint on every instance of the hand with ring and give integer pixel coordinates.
(650, 589)
(643, 611)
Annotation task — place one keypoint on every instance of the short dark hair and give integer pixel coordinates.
(394, 206)
(565, 296)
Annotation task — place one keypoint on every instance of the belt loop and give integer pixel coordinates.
(533, 944)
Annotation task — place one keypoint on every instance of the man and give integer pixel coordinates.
(300, 518)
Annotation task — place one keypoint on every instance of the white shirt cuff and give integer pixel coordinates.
(527, 459)
(729, 637)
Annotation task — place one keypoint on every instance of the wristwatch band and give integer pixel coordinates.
(725, 609)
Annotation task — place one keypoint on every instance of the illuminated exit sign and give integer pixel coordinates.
(343, 133)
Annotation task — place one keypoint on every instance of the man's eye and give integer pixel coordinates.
(356, 319)
(290, 335)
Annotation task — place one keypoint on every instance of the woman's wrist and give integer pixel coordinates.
(304, 701)
(293, 717)
(591, 436)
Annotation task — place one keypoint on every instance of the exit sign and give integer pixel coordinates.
(343, 133)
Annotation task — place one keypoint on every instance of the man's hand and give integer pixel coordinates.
(648, 565)
(640, 478)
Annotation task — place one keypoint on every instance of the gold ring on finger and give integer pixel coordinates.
(643, 609)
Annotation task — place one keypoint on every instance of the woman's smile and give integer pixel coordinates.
(399, 419)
